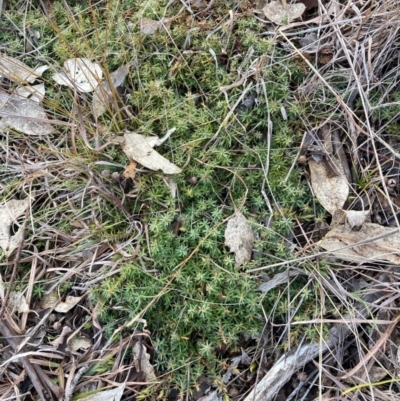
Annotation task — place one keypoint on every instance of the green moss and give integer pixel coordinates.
(210, 306)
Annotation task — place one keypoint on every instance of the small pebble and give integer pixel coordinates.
(52, 317)
(57, 326)
(192, 180)
(106, 173)
(302, 159)
(115, 176)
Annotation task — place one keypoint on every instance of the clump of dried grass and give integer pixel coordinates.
(353, 61)
(74, 232)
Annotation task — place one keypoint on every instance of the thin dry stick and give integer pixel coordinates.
(28, 295)
(53, 388)
(73, 129)
(75, 381)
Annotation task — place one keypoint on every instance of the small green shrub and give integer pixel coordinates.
(210, 307)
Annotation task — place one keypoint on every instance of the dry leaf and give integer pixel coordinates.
(70, 302)
(114, 394)
(142, 361)
(40, 70)
(140, 149)
(239, 237)
(331, 191)
(370, 244)
(17, 302)
(130, 170)
(80, 74)
(355, 219)
(52, 301)
(49, 300)
(23, 115)
(375, 374)
(104, 94)
(9, 212)
(80, 343)
(276, 12)
(33, 92)
(149, 26)
(17, 71)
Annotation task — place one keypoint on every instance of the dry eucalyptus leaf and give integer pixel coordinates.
(80, 74)
(70, 302)
(371, 243)
(140, 149)
(239, 237)
(17, 302)
(142, 362)
(331, 191)
(114, 394)
(356, 218)
(276, 12)
(149, 26)
(375, 374)
(24, 115)
(33, 92)
(103, 94)
(80, 343)
(17, 71)
(40, 70)
(9, 212)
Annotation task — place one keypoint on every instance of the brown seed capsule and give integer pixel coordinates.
(106, 173)
(192, 180)
(302, 159)
(57, 326)
(115, 176)
(52, 317)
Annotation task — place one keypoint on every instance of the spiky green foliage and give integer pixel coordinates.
(210, 305)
